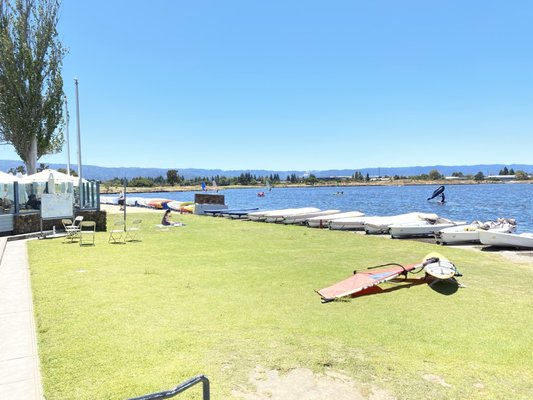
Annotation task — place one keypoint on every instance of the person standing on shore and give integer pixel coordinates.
(121, 201)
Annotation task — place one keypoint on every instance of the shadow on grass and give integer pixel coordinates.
(445, 287)
(495, 249)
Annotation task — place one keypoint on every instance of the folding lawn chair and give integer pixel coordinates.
(72, 229)
(116, 235)
(88, 231)
(132, 233)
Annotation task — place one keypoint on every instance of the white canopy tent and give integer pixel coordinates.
(44, 176)
(7, 178)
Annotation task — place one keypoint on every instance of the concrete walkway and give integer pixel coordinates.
(20, 376)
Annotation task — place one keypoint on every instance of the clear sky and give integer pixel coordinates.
(306, 85)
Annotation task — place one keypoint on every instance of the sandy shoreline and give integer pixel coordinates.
(114, 209)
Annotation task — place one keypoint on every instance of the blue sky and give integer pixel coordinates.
(304, 85)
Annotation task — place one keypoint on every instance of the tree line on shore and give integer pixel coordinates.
(173, 178)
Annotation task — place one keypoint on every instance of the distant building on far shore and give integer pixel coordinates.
(335, 178)
(502, 177)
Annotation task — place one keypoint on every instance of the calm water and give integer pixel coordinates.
(463, 202)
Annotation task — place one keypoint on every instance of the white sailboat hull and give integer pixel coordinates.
(350, 224)
(263, 215)
(464, 234)
(524, 240)
(281, 216)
(301, 218)
(420, 229)
(382, 224)
(322, 221)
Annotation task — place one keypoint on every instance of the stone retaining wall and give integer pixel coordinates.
(28, 223)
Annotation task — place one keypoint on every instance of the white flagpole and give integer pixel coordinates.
(67, 120)
(79, 144)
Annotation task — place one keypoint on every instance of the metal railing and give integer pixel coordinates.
(178, 389)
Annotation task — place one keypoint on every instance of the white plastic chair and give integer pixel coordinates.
(87, 230)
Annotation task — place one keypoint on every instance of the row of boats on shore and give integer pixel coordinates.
(411, 225)
(155, 203)
(498, 233)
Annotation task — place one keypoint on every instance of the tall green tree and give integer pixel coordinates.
(504, 171)
(31, 87)
(521, 175)
(435, 175)
(172, 177)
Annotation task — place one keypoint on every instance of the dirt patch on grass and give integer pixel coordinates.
(524, 257)
(302, 383)
(436, 379)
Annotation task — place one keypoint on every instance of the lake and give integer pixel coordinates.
(463, 202)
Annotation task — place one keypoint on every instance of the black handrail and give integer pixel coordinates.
(178, 389)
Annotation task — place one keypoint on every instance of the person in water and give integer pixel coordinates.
(166, 220)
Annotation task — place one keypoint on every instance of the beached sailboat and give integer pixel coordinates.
(234, 213)
(381, 225)
(133, 201)
(422, 228)
(261, 216)
(109, 200)
(281, 216)
(157, 203)
(322, 221)
(351, 223)
(470, 233)
(523, 240)
(301, 218)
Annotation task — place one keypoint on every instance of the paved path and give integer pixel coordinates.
(113, 209)
(20, 377)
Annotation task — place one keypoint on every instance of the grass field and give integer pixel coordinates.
(221, 297)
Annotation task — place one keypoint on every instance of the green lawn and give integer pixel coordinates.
(220, 297)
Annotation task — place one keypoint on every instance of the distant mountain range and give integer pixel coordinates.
(105, 173)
